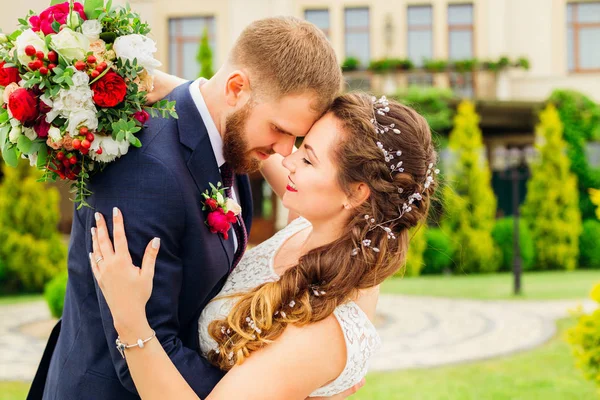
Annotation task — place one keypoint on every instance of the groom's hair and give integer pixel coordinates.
(288, 56)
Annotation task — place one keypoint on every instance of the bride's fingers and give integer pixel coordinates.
(94, 265)
(106, 248)
(119, 232)
(149, 260)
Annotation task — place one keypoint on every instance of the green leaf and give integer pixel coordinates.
(24, 144)
(13, 36)
(56, 26)
(3, 134)
(10, 155)
(55, 2)
(42, 158)
(93, 8)
(120, 136)
(3, 116)
(108, 37)
(135, 142)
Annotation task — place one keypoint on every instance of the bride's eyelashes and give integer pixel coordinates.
(305, 161)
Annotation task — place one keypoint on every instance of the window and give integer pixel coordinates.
(184, 41)
(583, 36)
(420, 34)
(320, 18)
(460, 45)
(357, 36)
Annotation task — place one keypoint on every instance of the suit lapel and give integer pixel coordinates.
(201, 163)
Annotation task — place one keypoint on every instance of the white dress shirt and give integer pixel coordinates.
(216, 141)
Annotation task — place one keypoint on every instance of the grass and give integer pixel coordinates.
(13, 390)
(547, 373)
(21, 298)
(535, 285)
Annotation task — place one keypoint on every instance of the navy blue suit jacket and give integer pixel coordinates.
(158, 189)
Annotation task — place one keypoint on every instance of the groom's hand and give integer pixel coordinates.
(342, 395)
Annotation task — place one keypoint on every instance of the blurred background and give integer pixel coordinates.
(496, 299)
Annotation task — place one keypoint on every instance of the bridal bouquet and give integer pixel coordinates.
(73, 85)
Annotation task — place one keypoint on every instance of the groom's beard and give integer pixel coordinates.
(235, 146)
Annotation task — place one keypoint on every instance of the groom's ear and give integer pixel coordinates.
(237, 88)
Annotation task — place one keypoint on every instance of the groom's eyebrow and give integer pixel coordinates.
(309, 148)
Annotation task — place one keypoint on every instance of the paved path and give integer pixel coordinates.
(416, 331)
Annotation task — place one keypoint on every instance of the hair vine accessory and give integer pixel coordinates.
(382, 107)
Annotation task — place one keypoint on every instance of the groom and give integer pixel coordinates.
(279, 78)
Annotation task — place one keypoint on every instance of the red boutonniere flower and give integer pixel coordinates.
(223, 211)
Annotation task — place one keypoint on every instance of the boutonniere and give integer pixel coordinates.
(223, 210)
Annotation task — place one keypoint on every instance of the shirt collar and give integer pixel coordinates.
(216, 141)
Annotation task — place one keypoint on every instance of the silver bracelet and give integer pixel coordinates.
(140, 343)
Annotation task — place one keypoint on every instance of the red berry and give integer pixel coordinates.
(90, 137)
(99, 151)
(102, 66)
(83, 130)
(52, 56)
(79, 65)
(66, 162)
(95, 74)
(30, 50)
(44, 71)
(76, 144)
(84, 151)
(85, 144)
(38, 64)
(73, 160)
(32, 65)
(51, 66)
(91, 59)
(40, 54)
(60, 156)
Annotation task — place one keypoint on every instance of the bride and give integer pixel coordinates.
(294, 318)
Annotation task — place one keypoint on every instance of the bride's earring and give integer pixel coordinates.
(347, 206)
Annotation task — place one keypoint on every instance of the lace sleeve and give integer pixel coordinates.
(362, 341)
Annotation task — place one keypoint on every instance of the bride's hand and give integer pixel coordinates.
(163, 85)
(126, 287)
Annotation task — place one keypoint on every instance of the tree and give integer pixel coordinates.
(31, 248)
(469, 201)
(205, 57)
(551, 208)
(416, 248)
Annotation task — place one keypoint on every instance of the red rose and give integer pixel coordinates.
(110, 90)
(8, 75)
(23, 105)
(142, 116)
(41, 127)
(219, 222)
(212, 204)
(58, 13)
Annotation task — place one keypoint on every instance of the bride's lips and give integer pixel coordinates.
(291, 186)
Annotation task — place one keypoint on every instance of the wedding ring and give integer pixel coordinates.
(99, 259)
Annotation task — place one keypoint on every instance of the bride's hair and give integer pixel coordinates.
(365, 254)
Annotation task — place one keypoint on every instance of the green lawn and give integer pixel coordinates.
(13, 390)
(23, 298)
(545, 373)
(536, 285)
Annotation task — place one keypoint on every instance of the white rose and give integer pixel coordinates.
(81, 118)
(55, 134)
(1, 97)
(3, 38)
(75, 99)
(71, 45)
(80, 78)
(138, 47)
(14, 134)
(30, 133)
(29, 37)
(234, 207)
(92, 28)
(33, 159)
(73, 20)
(111, 149)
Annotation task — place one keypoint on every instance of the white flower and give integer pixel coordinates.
(55, 134)
(232, 206)
(71, 45)
(138, 47)
(30, 133)
(80, 78)
(111, 149)
(81, 118)
(91, 29)
(3, 38)
(1, 96)
(73, 20)
(14, 134)
(33, 159)
(71, 100)
(29, 37)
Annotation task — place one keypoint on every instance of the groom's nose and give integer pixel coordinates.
(285, 145)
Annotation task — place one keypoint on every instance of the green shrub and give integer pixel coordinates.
(414, 259)
(205, 56)
(584, 339)
(551, 207)
(469, 202)
(351, 64)
(580, 117)
(503, 237)
(54, 293)
(432, 103)
(589, 244)
(30, 243)
(438, 253)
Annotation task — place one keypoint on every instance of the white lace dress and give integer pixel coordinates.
(256, 268)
